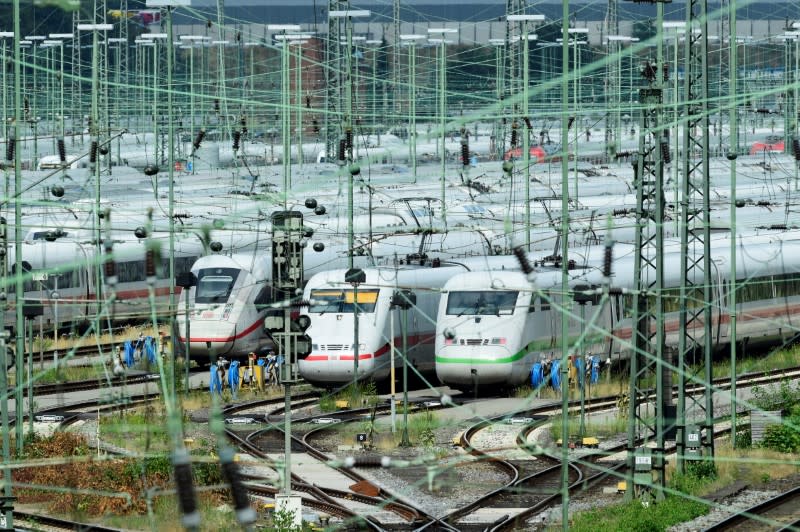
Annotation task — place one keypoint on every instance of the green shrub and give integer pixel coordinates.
(782, 438)
(744, 439)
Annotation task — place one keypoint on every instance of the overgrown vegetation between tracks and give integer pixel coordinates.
(63, 475)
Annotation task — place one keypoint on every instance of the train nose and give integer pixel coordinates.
(205, 337)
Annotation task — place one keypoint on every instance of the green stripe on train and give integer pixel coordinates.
(531, 348)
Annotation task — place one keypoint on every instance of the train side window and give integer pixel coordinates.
(129, 272)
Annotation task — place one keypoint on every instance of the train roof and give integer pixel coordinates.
(258, 264)
(390, 276)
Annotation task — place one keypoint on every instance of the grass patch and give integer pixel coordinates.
(354, 396)
(69, 374)
(633, 516)
(138, 431)
(604, 427)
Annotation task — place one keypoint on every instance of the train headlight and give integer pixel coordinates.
(361, 347)
(498, 341)
(315, 347)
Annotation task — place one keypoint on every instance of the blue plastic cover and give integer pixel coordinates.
(233, 375)
(555, 375)
(537, 375)
(150, 349)
(215, 385)
(129, 360)
(595, 370)
(580, 370)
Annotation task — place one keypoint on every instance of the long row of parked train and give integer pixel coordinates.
(481, 320)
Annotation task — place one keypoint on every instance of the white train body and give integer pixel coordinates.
(331, 361)
(220, 316)
(476, 344)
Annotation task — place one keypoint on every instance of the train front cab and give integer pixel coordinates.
(331, 361)
(482, 336)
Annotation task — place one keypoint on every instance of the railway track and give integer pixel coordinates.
(780, 512)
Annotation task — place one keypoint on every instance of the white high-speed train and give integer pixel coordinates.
(332, 315)
(61, 277)
(231, 323)
(492, 326)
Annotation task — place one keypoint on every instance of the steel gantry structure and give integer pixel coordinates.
(695, 284)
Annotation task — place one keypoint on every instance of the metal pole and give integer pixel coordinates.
(355, 337)
(299, 94)
(18, 277)
(412, 132)
(287, 416)
(564, 265)
(391, 371)
(191, 115)
(171, 200)
(30, 377)
(285, 126)
(7, 481)
(405, 442)
(526, 142)
(732, 154)
(442, 120)
(187, 292)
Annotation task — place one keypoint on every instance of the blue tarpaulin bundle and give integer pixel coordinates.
(261, 362)
(537, 375)
(215, 382)
(233, 376)
(555, 375)
(150, 349)
(129, 350)
(595, 369)
(580, 370)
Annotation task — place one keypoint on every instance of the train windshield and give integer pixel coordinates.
(341, 301)
(214, 285)
(481, 303)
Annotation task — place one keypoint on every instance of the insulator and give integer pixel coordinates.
(150, 263)
(216, 105)
(140, 232)
(93, 152)
(57, 191)
(208, 23)
(110, 268)
(665, 154)
(621, 154)
(615, 291)
(199, 139)
(103, 149)
(342, 149)
(215, 246)
(348, 137)
(464, 153)
(796, 149)
(11, 144)
(607, 259)
(62, 150)
(241, 502)
(185, 486)
(26, 104)
(570, 121)
(315, 125)
(308, 102)
(522, 258)
(320, 210)
(319, 247)
(514, 135)
(237, 136)
(528, 122)
(311, 203)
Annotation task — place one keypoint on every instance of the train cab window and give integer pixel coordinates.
(214, 285)
(342, 301)
(482, 303)
(263, 298)
(544, 301)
